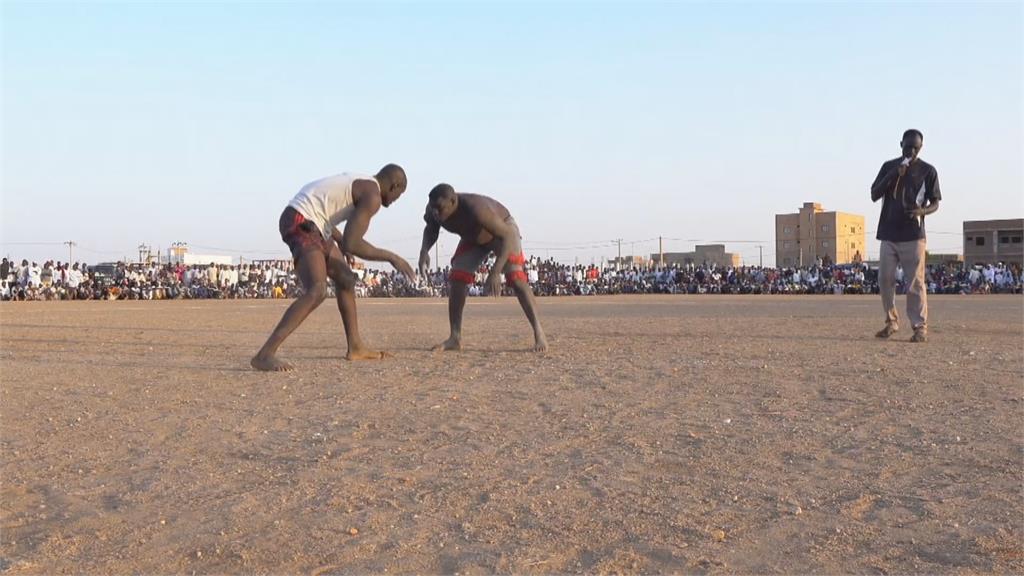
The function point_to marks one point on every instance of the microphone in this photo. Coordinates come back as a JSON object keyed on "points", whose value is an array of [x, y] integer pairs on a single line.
{"points": [[904, 165]]}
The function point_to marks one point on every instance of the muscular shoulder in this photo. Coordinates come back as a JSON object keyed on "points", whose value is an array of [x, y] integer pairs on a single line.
{"points": [[480, 204], [365, 190]]}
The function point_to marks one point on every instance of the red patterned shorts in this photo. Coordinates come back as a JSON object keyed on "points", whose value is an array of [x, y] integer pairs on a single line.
{"points": [[300, 234], [469, 257]]}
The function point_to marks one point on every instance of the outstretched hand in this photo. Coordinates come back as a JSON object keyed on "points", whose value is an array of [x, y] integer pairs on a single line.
{"points": [[424, 265], [403, 266], [494, 283]]}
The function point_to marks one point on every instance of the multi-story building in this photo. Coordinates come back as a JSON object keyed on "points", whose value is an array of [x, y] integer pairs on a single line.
{"points": [[992, 241], [811, 234]]}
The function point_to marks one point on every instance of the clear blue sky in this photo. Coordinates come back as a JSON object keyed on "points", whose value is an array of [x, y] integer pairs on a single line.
{"points": [[127, 123]]}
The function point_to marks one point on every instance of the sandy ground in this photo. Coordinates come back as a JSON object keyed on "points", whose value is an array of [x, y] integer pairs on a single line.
{"points": [[660, 434]]}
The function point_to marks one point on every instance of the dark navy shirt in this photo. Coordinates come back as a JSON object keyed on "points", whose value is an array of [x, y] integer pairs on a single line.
{"points": [[918, 187]]}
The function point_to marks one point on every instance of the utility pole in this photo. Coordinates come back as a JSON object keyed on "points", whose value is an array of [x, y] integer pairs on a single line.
{"points": [[618, 263], [70, 244], [437, 259], [760, 256], [661, 253]]}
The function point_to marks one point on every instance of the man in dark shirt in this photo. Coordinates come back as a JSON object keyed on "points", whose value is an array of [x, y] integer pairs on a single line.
{"points": [[909, 190]]}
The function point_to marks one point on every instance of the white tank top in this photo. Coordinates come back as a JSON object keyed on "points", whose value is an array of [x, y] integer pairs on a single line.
{"points": [[327, 202]]}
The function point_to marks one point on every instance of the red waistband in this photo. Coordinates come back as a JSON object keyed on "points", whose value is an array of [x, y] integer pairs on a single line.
{"points": [[462, 276]]}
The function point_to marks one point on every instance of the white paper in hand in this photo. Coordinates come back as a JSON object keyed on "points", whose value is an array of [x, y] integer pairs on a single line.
{"points": [[919, 200]]}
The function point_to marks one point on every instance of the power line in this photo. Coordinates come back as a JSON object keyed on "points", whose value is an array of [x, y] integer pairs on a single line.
{"points": [[80, 247], [236, 250]]}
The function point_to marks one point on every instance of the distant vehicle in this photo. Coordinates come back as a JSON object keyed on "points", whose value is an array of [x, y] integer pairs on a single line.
{"points": [[104, 273]]}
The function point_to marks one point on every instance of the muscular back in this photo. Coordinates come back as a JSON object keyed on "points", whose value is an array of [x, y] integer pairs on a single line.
{"points": [[470, 215]]}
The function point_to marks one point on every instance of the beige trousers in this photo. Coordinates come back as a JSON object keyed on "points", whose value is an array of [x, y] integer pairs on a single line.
{"points": [[910, 255]]}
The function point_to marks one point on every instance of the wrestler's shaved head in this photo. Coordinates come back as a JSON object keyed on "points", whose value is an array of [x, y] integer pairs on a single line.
{"points": [[442, 191], [392, 182], [442, 203]]}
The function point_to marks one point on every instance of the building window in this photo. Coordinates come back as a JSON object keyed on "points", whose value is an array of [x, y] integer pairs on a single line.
{"points": [[1015, 239], [853, 229], [979, 241], [853, 245], [1004, 239], [824, 227], [824, 243], [787, 230], [970, 238]]}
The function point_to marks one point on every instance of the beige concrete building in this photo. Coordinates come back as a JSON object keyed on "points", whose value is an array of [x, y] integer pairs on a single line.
{"points": [[935, 258], [804, 237], [711, 253], [629, 262], [992, 241]]}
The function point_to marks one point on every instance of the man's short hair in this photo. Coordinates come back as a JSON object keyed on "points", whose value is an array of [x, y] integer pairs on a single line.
{"points": [[395, 173], [913, 132], [442, 190]]}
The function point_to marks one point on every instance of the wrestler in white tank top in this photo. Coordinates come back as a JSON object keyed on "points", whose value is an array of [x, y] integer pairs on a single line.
{"points": [[327, 202]]}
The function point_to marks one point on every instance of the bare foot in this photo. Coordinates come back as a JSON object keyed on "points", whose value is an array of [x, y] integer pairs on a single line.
{"points": [[270, 364], [449, 345], [364, 354], [540, 344]]}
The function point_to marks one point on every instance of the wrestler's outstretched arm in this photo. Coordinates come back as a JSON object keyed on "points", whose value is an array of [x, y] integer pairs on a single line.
{"points": [[430, 233]]}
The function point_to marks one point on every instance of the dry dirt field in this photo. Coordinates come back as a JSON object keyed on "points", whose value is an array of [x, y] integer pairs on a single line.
{"points": [[660, 434]]}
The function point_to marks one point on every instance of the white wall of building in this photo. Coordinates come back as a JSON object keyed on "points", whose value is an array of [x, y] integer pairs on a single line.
{"points": [[190, 259]]}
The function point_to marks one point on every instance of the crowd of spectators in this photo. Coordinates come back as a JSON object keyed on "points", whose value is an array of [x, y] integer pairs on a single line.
{"points": [[554, 279], [121, 281], [276, 279]]}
